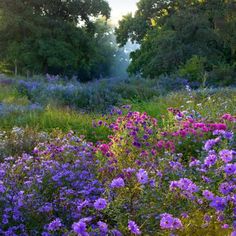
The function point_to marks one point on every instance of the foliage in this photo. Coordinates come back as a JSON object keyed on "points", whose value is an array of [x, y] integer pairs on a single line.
{"points": [[172, 33], [193, 69], [58, 37]]}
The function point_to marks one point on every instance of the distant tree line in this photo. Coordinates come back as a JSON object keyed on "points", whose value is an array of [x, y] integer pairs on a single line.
{"points": [[192, 38], [56, 37]]}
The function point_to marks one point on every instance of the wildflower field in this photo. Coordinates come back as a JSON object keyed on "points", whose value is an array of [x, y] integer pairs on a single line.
{"points": [[159, 166], [117, 117]]}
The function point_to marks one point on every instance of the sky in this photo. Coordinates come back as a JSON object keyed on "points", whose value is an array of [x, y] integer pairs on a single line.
{"points": [[120, 8]]}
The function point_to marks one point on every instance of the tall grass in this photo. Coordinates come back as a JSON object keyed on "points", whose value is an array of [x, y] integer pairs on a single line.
{"points": [[55, 118], [210, 103]]}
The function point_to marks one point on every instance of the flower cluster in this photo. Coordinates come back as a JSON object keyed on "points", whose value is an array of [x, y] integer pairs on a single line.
{"points": [[136, 183]]}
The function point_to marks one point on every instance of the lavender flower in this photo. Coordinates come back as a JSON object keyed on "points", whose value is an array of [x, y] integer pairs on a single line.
{"points": [[230, 169], [100, 204], [55, 225], [218, 203], [116, 232], [208, 195], [169, 222], [103, 227], [226, 155], [117, 183], [225, 188], [132, 226], [209, 144], [80, 228], [210, 160], [142, 176]]}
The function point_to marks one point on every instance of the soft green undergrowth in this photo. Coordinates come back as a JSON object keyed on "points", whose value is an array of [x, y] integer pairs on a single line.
{"points": [[211, 103], [56, 118]]}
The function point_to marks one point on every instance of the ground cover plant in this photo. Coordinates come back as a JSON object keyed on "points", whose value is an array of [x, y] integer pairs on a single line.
{"points": [[173, 176]]}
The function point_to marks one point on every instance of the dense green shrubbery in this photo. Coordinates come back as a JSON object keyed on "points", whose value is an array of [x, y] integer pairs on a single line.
{"points": [[194, 38]]}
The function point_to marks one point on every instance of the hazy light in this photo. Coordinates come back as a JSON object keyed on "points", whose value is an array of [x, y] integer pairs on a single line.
{"points": [[120, 8]]}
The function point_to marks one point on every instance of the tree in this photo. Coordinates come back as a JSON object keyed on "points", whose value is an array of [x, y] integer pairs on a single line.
{"points": [[54, 36], [172, 32]]}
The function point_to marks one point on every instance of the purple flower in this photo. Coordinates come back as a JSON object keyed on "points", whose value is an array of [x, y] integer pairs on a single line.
{"points": [[207, 218], [209, 144], [142, 176], [194, 162], [226, 155], [2, 188], [80, 228], [208, 195], [177, 224], [46, 208], [116, 232], [100, 204], [176, 165], [102, 226], [230, 169], [218, 203], [169, 222], [225, 226], [185, 185], [210, 160], [117, 183], [184, 215], [137, 144], [132, 226], [206, 179], [228, 135], [55, 225], [152, 183], [225, 188], [220, 218]]}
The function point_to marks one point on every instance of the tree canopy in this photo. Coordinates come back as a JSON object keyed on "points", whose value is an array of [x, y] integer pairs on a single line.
{"points": [[173, 32], [56, 36]]}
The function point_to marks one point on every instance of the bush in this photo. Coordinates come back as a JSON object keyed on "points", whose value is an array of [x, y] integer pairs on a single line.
{"points": [[223, 75], [194, 69]]}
